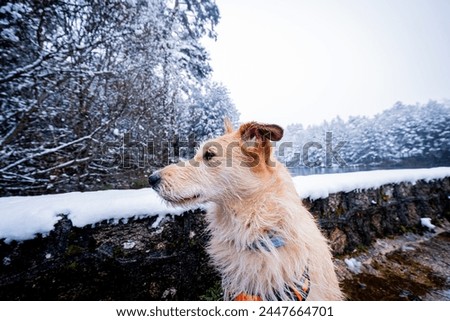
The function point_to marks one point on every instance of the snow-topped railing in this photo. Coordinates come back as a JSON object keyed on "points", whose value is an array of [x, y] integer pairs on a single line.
{"points": [[22, 217]]}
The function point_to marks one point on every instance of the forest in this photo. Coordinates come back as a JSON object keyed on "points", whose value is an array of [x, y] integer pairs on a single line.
{"points": [[96, 94], [403, 136], [81, 79]]}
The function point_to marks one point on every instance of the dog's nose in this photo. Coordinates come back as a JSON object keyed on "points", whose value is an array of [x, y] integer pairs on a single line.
{"points": [[154, 179]]}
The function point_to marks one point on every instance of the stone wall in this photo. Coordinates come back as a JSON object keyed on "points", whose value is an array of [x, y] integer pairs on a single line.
{"points": [[355, 219], [134, 261]]}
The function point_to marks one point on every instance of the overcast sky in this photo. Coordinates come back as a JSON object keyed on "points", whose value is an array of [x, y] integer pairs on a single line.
{"points": [[304, 61]]}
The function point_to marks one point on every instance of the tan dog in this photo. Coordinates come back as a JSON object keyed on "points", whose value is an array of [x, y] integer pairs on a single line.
{"points": [[264, 243]]}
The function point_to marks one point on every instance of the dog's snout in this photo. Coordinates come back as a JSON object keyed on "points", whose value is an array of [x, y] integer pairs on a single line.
{"points": [[154, 179]]}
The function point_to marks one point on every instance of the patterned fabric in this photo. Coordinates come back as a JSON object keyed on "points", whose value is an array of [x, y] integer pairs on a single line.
{"points": [[247, 297], [302, 287], [298, 292]]}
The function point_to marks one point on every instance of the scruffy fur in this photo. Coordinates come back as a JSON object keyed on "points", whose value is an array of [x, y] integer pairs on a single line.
{"points": [[252, 196]]}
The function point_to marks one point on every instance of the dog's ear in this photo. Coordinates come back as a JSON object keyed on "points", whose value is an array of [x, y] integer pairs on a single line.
{"points": [[228, 125], [255, 144], [261, 132]]}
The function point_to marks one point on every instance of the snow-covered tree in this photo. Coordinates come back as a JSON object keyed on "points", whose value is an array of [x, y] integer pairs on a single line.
{"points": [[404, 135], [76, 75], [207, 108]]}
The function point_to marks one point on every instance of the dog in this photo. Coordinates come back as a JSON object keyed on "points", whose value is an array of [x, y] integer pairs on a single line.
{"points": [[264, 242]]}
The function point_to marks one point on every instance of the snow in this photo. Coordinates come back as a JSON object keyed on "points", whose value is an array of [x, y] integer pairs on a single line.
{"points": [[320, 186], [23, 217], [9, 34], [6, 261], [353, 265], [128, 245], [426, 222]]}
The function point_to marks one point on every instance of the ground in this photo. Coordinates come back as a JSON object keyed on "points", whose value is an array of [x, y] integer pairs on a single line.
{"points": [[407, 267]]}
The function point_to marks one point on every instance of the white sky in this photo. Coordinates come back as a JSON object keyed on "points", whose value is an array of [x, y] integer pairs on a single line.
{"points": [[304, 61]]}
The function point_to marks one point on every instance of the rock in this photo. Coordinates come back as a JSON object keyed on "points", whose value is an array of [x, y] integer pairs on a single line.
{"points": [[338, 240], [130, 261]]}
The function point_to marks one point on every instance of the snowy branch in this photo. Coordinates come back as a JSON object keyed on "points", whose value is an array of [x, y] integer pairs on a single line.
{"points": [[8, 134], [87, 65], [18, 127], [20, 71], [26, 178], [69, 163], [47, 151]]}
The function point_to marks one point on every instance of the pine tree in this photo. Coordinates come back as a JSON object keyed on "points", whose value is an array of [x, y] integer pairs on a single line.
{"points": [[404, 135]]}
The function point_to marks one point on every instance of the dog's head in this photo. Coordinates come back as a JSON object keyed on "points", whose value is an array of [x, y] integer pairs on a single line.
{"points": [[226, 167]]}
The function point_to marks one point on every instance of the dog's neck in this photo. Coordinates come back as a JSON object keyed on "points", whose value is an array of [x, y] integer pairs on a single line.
{"points": [[255, 229], [256, 193], [238, 208]]}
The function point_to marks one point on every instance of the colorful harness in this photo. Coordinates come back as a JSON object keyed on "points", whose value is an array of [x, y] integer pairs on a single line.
{"points": [[298, 291]]}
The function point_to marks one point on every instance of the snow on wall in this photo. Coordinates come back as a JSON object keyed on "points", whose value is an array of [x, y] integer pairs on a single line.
{"points": [[24, 216], [320, 186], [21, 217]]}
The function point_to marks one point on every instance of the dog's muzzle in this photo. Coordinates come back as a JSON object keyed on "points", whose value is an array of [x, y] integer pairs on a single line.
{"points": [[154, 180]]}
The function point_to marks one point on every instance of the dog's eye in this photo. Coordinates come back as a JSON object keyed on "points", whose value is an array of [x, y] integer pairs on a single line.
{"points": [[208, 155]]}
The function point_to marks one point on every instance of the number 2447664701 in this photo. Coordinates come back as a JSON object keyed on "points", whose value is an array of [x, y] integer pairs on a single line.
{"points": [[302, 311]]}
